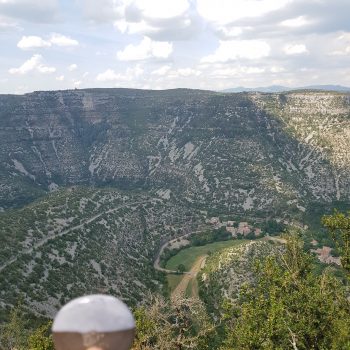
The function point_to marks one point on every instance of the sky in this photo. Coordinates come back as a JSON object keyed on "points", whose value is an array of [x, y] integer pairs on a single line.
{"points": [[162, 44]]}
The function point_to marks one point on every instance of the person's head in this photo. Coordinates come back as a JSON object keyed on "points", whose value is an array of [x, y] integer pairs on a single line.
{"points": [[95, 322]]}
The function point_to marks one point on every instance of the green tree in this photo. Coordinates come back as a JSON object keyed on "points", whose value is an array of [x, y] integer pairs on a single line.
{"points": [[181, 324], [338, 225], [41, 338], [13, 334], [290, 307], [181, 268]]}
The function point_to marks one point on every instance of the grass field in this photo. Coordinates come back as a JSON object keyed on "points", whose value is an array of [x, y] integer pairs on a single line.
{"points": [[173, 281], [189, 255]]}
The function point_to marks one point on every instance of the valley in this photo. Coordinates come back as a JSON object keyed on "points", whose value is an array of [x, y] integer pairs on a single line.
{"points": [[97, 184]]}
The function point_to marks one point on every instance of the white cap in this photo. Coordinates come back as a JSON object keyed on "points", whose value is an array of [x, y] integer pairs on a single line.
{"points": [[94, 313]]}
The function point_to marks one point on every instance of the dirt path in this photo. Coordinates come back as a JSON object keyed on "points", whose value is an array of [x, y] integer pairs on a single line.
{"points": [[180, 290]]}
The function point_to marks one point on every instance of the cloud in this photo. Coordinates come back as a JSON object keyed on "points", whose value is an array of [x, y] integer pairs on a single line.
{"points": [[295, 22], [277, 69], [228, 11], [7, 24], [35, 42], [108, 75], [157, 19], [235, 49], [72, 67], [30, 10], [62, 40], [33, 64], [130, 74], [161, 71], [157, 9], [60, 78], [187, 72], [295, 49], [228, 72], [32, 42], [146, 49]]}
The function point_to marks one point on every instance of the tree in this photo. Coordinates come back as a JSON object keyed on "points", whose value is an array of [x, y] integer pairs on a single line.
{"points": [[41, 338], [338, 225], [181, 268], [290, 307], [13, 334], [181, 324]]}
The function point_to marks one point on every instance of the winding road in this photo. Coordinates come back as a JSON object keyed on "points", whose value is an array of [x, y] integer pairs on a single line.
{"points": [[156, 263]]}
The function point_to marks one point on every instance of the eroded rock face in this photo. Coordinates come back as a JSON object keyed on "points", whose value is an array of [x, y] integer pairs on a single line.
{"points": [[240, 152]]}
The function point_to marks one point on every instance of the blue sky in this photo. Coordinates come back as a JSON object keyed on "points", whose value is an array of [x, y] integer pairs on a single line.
{"points": [[159, 44]]}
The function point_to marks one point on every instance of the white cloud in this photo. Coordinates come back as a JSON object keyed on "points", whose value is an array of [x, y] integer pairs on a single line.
{"points": [[147, 48], [227, 11], [161, 9], [30, 10], [295, 22], [7, 24], [277, 69], [62, 40], [33, 64], [32, 42], [134, 27], [236, 71], [35, 42], [341, 45], [108, 75], [295, 49], [130, 74], [60, 78], [162, 70], [72, 67], [158, 19], [186, 72], [229, 32], [344, 52], [134, 10], [234, 49]]}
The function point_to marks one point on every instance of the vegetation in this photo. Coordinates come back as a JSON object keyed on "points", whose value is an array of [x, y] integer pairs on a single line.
{"points": [[16, 334], [286, 305], [210, 236], [338, 225], [289, 307], [188, 256], [183, 324]]}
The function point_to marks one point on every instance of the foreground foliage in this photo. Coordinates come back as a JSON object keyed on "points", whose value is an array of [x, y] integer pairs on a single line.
{"points": [[183, 324], [290, 307], [338, 225], [287, 305], [14, 335]]}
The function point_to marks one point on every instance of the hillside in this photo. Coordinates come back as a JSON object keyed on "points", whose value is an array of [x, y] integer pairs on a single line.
{"points": [[94, 181], [265, 153], [80, 241]]}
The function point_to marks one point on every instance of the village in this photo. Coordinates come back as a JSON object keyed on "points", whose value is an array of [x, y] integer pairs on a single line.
{"points": [[236, 228]]}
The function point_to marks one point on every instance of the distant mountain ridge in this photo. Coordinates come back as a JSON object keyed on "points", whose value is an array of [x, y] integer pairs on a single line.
{"points": [[280, 88]]}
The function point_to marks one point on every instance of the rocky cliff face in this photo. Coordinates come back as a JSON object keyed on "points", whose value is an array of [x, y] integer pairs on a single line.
{"points": [[237, 152]]}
